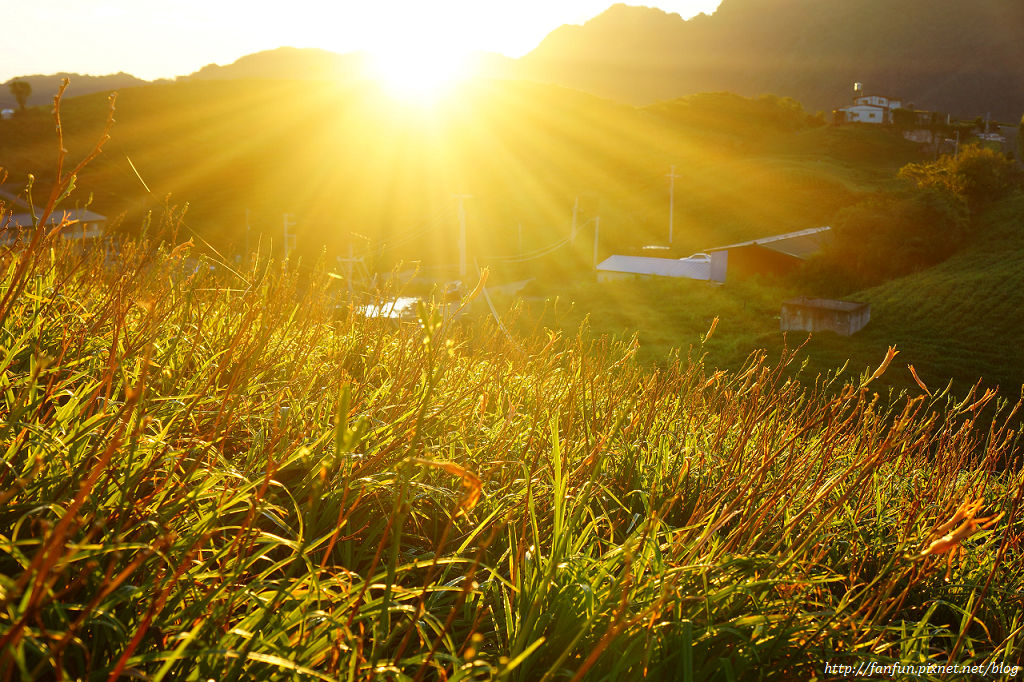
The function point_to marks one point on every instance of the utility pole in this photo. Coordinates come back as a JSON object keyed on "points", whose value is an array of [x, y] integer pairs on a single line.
{"points": [[575, 211], [671, 201], [462, 233], [289, 237], [248, 230], [349, 273], [597, 235], [349, 262]]}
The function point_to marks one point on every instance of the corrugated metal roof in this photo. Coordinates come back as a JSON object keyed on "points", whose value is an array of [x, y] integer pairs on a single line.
{"points": [[662, 267], [799, 244]]}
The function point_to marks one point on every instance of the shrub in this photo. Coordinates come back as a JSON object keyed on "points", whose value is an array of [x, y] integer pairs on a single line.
{"points": [[977, 175], [888, 236]]}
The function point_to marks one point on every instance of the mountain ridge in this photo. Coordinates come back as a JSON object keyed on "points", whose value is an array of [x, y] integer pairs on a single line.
{"points": [[44, 86], [944, 55], [940, 54]]}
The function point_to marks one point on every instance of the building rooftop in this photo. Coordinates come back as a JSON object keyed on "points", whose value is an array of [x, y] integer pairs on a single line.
{"points": [[664, 267], [799, 244], [21, 213], [825, 304]]}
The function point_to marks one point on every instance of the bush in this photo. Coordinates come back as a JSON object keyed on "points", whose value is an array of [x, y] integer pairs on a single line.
{"points": [[898, 233], [978, 175], [889, 236]]}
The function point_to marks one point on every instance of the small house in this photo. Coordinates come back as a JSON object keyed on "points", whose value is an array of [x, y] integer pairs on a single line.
{"points": [[821, 314], [81, 224], [864, 113], [874, 109]]}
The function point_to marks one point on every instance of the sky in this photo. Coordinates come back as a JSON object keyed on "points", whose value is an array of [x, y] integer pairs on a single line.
{"points": [[152, 39]]}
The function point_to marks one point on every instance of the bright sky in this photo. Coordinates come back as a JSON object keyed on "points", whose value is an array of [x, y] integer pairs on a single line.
{"points": [[152, 39]]}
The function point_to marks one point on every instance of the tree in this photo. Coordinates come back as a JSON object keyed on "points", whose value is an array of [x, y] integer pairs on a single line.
{"points": [[978, 176], [888, 236], [21, 90]]}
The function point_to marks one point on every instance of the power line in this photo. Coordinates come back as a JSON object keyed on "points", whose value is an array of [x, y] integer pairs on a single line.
{"points": [[541, 251]]}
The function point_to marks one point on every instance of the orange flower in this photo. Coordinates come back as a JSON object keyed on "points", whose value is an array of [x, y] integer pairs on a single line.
{"points": [[179, 250], [918, 380], [889, 355], [965, 516]]}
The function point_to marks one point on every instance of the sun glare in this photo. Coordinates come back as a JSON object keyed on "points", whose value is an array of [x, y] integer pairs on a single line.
{"points": [[418, 73]]}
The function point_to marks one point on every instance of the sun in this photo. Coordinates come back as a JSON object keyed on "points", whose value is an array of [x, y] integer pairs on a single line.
{"points": [[418, 72]]}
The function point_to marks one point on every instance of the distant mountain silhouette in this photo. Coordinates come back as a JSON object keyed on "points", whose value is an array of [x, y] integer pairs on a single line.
{"points": [[291, 63], [966, 58], [45, 87], [287, 63], [957, 56]]}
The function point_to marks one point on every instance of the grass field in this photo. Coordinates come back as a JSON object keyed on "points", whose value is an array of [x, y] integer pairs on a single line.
{"points": [[230, 477], [217, 474]]}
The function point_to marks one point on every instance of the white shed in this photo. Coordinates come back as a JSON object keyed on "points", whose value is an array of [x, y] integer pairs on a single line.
{"points": [[622, 267]]}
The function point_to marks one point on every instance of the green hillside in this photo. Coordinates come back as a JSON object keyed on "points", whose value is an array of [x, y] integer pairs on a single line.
{"points": [[232, 479], [242, 475], [351, 159], [958, 320], [962, 318]]}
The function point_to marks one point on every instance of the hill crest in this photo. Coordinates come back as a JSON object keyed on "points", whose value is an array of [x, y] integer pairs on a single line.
{"points": [[938, 54], [962, 58]]}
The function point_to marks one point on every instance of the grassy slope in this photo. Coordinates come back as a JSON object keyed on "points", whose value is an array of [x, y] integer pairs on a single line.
{"points": [[535, 147], [957, 320], [223, 478], [962, 318], [350, 159], [220, 478]]}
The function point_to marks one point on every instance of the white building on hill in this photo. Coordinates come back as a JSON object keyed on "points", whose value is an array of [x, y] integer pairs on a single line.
{"points": [[875, 109]]}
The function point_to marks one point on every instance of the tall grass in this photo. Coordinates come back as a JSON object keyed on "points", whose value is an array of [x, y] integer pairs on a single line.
{"points": [[232, 476]]}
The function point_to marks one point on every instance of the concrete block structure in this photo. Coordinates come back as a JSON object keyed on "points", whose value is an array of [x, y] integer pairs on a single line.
{"points": [[821, 314]]}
